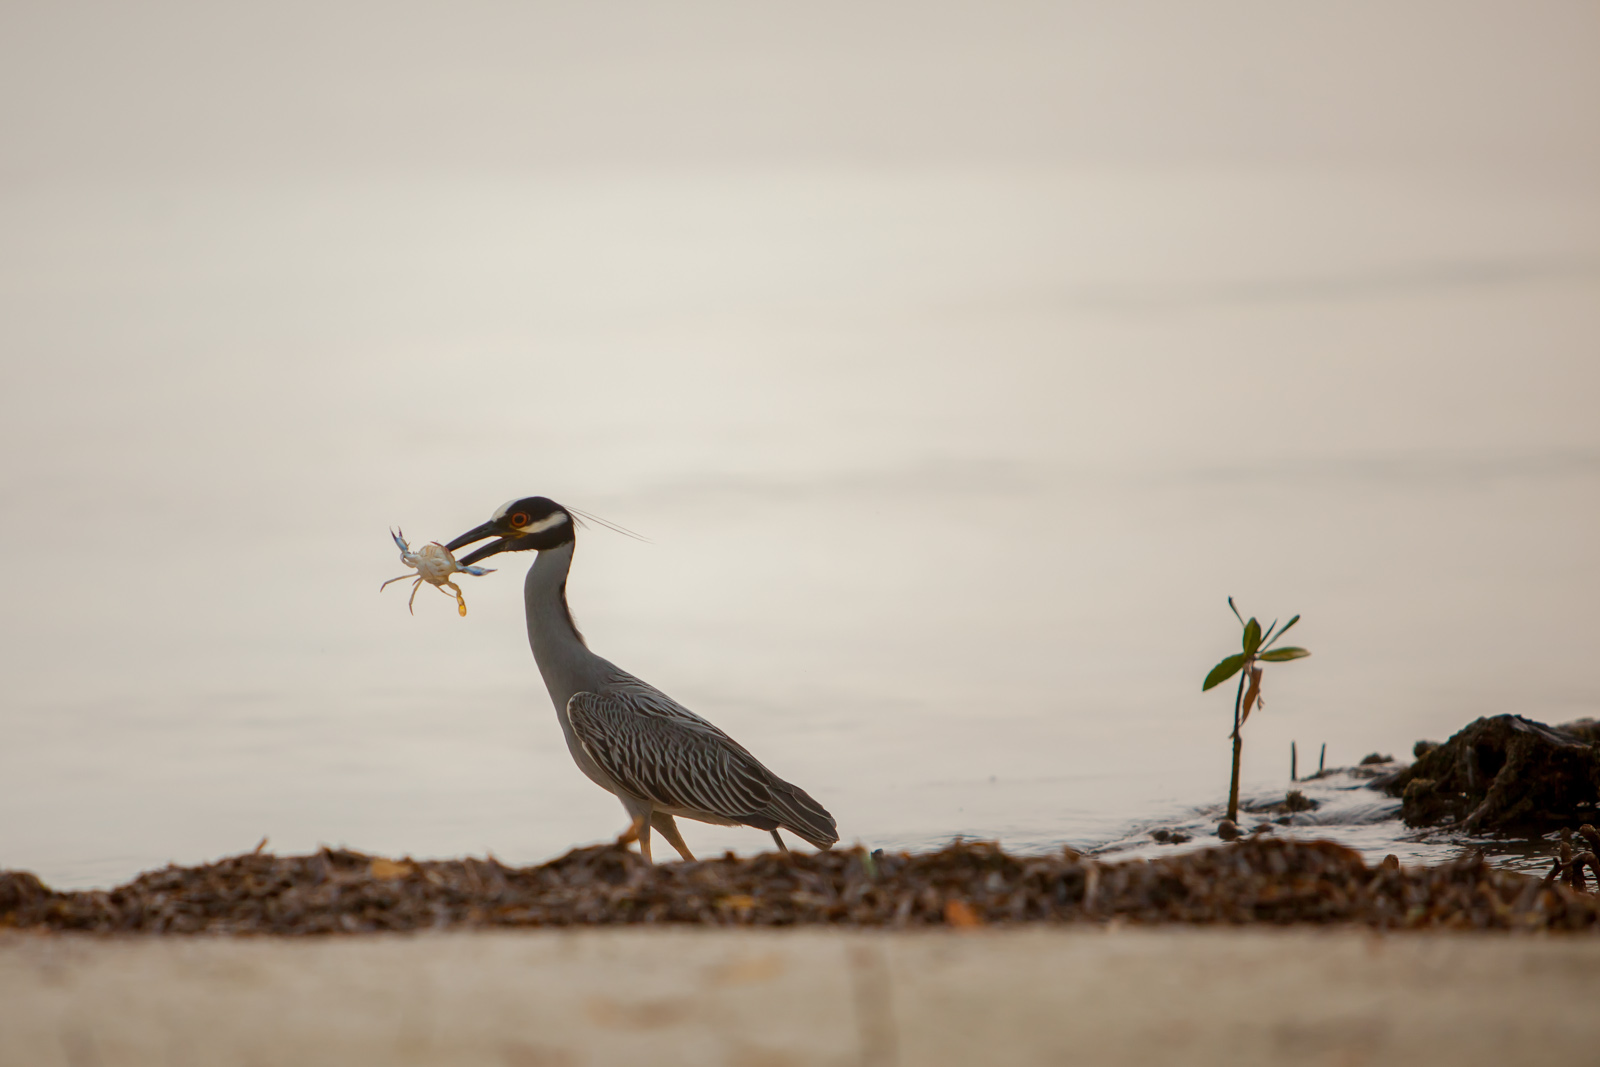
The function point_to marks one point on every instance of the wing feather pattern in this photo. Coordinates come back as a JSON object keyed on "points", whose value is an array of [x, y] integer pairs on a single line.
{"points": [[657, 749]]}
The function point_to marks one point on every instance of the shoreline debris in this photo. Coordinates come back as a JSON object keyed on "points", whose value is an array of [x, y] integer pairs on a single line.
{"points": [[1569, 865], [1257, 880], [1503, 772]]}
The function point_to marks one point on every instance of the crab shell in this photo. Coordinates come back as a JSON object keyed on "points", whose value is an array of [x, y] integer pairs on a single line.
{"points": [[434, 563]]}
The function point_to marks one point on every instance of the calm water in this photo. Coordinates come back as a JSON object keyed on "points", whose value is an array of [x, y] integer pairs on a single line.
{"points": [[946, 476]]}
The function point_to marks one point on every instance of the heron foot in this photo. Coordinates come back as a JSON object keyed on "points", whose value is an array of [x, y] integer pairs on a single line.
{"points": [[633, 832]]}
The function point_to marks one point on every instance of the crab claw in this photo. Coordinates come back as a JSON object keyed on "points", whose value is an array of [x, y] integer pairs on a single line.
{"points": [[479, 571], [399, 539]]}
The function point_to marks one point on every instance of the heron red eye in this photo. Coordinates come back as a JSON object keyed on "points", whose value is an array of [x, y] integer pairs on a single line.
{"points": [[519, 519]]}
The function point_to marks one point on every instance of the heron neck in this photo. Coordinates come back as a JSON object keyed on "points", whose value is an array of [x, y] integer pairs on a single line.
{"points": [[557, 645]]}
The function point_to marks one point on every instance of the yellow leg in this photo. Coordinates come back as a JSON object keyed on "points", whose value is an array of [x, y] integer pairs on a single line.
{"points": [[667, 826], [631, 834]]}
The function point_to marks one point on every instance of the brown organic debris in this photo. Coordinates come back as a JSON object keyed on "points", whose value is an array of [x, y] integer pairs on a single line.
{"points": [[1500, 773], [958, 912], [1259, 880]]}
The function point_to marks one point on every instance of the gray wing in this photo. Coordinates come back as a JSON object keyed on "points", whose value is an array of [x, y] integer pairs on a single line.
{"points": [[674, 758]]}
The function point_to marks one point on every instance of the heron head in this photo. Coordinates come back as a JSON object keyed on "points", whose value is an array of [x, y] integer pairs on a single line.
{"points": [[533, 522]]}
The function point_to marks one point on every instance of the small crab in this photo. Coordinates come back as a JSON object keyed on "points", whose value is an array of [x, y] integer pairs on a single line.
{"points": [[435, 564]]}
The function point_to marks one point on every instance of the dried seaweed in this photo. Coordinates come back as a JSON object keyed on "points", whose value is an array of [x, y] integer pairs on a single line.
{"points": [[966, 884]]}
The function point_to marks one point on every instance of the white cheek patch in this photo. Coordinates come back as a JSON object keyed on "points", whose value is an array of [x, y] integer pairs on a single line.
{"points": [[549, 521]]}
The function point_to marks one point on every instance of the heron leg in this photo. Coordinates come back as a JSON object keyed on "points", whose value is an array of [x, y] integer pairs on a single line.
{"points": [[636, 829], [781, 846], [639, 828], [669, 830]]}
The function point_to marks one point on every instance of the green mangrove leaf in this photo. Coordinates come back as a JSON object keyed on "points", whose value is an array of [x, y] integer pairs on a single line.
{"points": [[1223, 671], [1252, 636], [1235, 611], [1281, 655], [1285, 629]]}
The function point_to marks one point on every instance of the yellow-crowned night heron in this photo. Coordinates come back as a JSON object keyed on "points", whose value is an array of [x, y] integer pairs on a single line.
{"points": [[657, 756]]}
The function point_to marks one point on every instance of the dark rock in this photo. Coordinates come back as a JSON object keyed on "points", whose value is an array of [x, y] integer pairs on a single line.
{"points": [[1368, 761], [1227, 830], [1422, 748], [1298, 801], [1501, 773]]}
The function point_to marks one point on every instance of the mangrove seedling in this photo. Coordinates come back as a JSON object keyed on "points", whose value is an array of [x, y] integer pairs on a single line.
{"points": [[1255, 649]]}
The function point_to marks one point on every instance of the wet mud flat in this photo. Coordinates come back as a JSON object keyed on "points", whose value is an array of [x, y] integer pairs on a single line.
{"points": [[966, 885]]}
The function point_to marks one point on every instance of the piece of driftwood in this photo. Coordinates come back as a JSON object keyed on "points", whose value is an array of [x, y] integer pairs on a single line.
{"points": [[1569, 865], [1258, 880], [1501, 773]]}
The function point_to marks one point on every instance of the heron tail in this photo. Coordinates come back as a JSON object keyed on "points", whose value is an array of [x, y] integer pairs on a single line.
{"points": [[803, 816]]}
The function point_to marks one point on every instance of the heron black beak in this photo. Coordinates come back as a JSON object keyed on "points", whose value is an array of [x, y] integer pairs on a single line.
{"points": [[485, 552], [488, 529]]}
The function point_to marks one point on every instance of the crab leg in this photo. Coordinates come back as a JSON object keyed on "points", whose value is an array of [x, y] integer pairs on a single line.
{"points": [[461, 601]]}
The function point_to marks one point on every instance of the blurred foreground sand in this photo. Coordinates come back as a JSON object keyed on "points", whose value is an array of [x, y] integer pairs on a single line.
{"points": [[548, 998]]}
